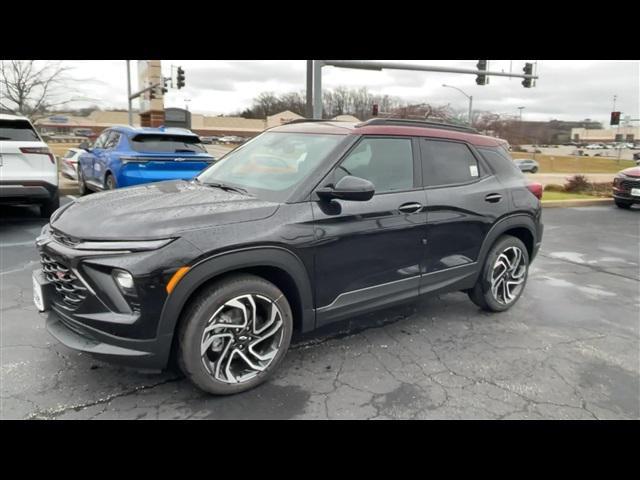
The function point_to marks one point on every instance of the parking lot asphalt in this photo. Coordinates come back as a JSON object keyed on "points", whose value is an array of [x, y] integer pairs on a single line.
{"points": [[569, 349]]}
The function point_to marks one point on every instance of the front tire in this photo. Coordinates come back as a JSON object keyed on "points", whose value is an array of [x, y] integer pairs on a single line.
{"points": [[503, 276], [623, 204], [234, 334], [82, 185], [534, 170]]}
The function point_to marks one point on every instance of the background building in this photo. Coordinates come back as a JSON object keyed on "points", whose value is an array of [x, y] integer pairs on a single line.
{"points": [[624, 134], [90, 126]]}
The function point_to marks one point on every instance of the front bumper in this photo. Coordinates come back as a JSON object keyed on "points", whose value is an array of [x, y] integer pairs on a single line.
{"points": [[625, 196], [142, 354], [87, 311]]}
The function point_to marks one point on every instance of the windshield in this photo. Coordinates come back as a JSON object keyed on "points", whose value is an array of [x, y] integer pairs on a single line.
{"points": [[167, 143], [272, 164]]}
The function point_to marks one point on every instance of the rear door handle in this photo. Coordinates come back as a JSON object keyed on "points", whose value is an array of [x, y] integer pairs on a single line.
{"points": [[410, 207], [493, 198]]}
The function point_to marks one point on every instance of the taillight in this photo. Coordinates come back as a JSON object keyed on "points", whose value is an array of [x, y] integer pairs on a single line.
{"points": [[536, 189], [39, 151]]}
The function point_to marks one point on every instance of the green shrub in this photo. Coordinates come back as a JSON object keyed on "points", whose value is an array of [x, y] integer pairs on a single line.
{"points": [[553, 187]]}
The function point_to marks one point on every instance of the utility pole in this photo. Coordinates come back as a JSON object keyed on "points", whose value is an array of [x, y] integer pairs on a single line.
{"points": [[129, 93]]}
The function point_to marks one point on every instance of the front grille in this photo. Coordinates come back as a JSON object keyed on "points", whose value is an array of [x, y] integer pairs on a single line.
{"points": [[629, 184], [64, 239], [67, 285]]}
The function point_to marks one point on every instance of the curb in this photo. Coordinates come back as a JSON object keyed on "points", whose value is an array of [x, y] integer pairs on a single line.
{"points": [[585, 202]]}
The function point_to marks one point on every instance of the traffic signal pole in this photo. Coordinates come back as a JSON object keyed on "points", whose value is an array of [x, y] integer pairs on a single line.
{"points": [[129, 93], [372, 65]]}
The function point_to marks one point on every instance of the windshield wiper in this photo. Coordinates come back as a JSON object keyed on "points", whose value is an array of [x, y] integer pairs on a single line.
{"points": [[226, 187]]}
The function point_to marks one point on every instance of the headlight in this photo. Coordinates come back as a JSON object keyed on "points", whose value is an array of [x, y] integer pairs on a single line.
{"points": [[133, 245]]}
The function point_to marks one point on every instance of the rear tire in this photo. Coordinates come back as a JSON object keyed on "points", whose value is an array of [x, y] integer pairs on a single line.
{"points": [[534, 170], [255, 330], [503, 276], [47, 209], [623, 204], [110, 182]]}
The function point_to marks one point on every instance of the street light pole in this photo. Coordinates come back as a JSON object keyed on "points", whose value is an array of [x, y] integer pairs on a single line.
{"points": [[470, 97]]}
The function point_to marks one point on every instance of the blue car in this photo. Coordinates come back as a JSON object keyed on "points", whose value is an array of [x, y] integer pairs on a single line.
{"points": [[123, 156]]}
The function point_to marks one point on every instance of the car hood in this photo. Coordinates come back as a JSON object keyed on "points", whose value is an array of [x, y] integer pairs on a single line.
{"points": [[631, 172], [157, 210]]}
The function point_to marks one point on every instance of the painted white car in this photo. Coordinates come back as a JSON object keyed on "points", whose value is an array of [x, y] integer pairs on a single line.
{"points": [[28, 168], [594, 146], [69, 163]]}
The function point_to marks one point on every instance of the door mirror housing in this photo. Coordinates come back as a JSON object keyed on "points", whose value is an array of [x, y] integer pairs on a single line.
{"points": [[85, 146], [349, 188]]}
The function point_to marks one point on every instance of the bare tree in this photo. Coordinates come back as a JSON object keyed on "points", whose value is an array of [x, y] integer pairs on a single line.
{"points": [[266, 104], [32, 88]]}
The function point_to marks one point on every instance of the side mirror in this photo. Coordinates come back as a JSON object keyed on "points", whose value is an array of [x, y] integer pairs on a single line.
{"points": [[85, 146], [349, 188]]}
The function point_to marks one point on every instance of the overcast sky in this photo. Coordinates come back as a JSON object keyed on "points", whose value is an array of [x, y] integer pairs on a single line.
{"points": [[566, 90]]}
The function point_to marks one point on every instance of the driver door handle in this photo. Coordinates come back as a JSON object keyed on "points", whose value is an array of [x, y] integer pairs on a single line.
{"points": [[412, 207], [493, 197]]}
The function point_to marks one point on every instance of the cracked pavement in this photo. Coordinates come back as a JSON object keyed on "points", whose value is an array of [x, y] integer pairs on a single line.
{"points": [[569, 349]]}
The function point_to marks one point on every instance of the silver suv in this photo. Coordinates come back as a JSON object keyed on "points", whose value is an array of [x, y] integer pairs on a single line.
{"points": [[28, 168]]}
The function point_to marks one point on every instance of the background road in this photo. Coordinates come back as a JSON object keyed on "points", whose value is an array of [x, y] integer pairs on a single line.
{"points": [[569, 349]]}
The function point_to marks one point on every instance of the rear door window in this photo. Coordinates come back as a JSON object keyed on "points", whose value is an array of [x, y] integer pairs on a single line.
{"points": [[102, 139], [17, 131], [167, 143], [447, 163], [112, 140]]}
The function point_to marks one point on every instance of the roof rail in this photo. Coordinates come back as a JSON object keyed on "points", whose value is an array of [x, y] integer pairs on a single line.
{"points": [[417, 123]]}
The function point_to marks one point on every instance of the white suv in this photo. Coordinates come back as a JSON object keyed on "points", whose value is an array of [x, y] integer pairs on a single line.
{"points": [[28, 169]]}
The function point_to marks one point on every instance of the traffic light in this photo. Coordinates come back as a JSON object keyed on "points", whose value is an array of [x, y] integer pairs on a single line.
{"points": [[164, 88], [615, 118], [152, 94], [374, 110], [481, 79], [528, 70], [180, 78]]}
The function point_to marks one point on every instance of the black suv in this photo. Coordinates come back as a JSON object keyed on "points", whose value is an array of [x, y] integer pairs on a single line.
{"points": [[306, 224]]}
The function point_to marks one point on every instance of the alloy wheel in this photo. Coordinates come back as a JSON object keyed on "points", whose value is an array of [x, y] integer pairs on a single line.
{"points": [[508, 275], [242, 338]]}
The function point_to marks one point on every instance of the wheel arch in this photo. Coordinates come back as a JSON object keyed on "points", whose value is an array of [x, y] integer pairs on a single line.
{"points": [[520, 226], [275, 264]]}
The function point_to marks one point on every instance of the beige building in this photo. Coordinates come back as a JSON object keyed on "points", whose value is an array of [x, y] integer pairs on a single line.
{"points": [[624, 134], [204, 125]]}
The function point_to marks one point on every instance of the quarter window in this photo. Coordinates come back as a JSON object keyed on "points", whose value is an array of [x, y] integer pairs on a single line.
{"points": [[385, 162], [447, 163]]}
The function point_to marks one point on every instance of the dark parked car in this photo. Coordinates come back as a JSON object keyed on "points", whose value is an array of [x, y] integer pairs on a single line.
{"points": [[308, 224], [626, 187]]}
